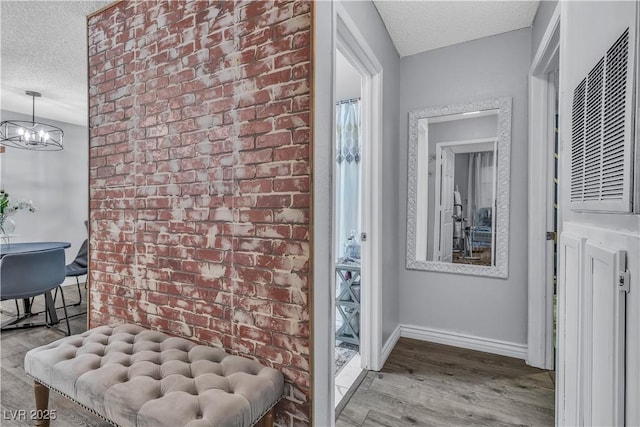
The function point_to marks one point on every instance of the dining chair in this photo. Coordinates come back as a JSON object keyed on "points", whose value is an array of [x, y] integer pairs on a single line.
{"points": [[78, 267], [29, 274]]}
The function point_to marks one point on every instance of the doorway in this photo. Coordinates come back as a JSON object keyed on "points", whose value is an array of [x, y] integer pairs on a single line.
{"points": [[347, 38], [347, 214], [544, 212], [465, 202], [356, 224], [553, 207]]}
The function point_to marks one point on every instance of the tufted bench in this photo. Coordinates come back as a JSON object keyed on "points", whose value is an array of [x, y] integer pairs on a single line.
{"points": [[131, 376]]}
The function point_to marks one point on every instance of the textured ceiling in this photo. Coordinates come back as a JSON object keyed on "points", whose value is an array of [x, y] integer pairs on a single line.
{"points": [[43, 43], [418, 26], [44, 49]]}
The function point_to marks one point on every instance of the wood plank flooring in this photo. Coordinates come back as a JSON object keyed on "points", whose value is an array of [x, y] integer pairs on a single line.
{"points": [[422, 384], [16, 389], [427, 384]]}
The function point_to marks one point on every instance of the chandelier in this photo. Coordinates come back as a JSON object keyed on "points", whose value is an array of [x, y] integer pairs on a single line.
{"points": [[31, 135]]}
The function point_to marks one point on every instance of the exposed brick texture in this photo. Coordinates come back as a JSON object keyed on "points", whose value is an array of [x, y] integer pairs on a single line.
{"points": [[200, 177]]}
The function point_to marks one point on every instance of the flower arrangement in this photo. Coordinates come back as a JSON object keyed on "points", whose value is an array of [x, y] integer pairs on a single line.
{"points": [[8, 208]]}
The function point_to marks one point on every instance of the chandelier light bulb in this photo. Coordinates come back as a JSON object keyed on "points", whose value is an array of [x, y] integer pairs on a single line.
{"points": [[21, 132]]}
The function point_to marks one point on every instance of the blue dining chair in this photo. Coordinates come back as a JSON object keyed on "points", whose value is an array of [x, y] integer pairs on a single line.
{"points": [[78, 267], [29, 274]]}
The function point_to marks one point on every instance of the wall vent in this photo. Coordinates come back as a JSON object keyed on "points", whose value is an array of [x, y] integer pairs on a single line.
{"points": [[601, 145], [577, 142]]}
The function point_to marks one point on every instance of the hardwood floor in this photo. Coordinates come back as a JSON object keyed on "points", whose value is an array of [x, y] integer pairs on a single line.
{"points": [[426, 384], [16, 389], [422, 384]]}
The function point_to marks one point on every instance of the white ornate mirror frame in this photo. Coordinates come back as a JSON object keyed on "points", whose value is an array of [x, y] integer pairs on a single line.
{"points": [[501, 266]]}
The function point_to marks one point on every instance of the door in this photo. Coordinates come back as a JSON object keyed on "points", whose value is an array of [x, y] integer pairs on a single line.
{"points": [[446, 205], [543, 138], [603, 342], [598, 336], [570, 274], [592, 334]]}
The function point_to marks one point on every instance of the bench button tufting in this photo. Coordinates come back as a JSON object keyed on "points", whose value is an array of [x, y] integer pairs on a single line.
{"points": [[194, 370]]}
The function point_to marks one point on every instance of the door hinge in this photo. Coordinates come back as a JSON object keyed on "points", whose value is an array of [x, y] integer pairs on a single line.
{"points": [[623, 280], [552, 235]]}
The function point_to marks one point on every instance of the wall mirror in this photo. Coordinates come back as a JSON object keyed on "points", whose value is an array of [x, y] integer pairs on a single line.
{"points": [[458, 193]]}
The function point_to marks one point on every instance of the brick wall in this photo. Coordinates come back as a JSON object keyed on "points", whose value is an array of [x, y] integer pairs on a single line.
{"points": [[200, 177]]}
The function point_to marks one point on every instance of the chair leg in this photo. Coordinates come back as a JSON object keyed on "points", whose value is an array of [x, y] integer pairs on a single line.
{"points": [[41, 393], [55, 294], [79, 292], [64, 307], [46, 311]]}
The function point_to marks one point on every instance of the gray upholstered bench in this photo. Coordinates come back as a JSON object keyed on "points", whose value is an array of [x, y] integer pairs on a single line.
{"points": [[131, 376]]}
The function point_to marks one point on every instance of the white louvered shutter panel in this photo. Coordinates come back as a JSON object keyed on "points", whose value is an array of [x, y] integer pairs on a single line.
{"points": [[617, 91], [577, 142], [593, 134], [601, 134]]}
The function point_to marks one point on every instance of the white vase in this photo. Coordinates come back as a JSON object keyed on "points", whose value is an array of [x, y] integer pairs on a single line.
{"points": [[7, 226]]}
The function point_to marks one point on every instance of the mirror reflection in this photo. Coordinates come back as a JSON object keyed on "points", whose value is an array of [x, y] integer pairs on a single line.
{"points": [[461, 186], [458, 188]]}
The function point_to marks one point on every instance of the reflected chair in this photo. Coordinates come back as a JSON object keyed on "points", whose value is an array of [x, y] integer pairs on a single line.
{"points": [[29, 274]]}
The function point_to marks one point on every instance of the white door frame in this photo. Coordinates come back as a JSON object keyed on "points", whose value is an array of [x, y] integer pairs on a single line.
{"points": [[322, 348], [353, 45], [329, 18], [540, 351]]}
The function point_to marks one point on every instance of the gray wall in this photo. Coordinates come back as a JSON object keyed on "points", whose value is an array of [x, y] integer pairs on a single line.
{"points": [[463, 129], [540, 22], [480, 69], [366, 17], [348, 82], [56, 182]]}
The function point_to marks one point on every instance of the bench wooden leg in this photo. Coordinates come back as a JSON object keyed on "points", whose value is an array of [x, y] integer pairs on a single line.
{"points": [[42, 404], [266, 420]]}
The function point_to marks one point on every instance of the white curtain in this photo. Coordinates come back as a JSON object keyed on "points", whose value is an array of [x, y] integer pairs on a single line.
{"points": [[480, 184], [347, 172]]}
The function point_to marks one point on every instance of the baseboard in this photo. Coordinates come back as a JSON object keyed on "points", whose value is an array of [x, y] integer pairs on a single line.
{"points": [[389, 345], [488, 345]]}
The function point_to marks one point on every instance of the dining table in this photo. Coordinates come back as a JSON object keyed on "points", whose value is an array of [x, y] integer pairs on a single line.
{"points": [[26, 247]]}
